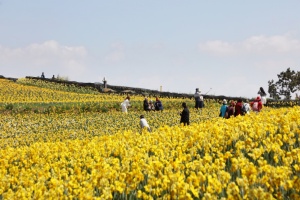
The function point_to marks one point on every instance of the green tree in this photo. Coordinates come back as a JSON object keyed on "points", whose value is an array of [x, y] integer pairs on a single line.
{"points": [[297, 80], [288, 83], [273, 90]]}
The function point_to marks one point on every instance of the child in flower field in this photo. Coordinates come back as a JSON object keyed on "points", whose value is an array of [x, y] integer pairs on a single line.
{"points": [[144, 123], [151, 106]]}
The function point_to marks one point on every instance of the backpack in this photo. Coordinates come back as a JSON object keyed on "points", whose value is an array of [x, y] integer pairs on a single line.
{"points": [[255, 106], [244, 109], [159, 105]]}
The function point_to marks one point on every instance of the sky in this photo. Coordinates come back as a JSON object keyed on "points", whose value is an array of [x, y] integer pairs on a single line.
{"points": [[226, 48]]}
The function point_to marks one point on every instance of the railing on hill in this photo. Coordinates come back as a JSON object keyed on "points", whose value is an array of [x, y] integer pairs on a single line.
{"points": [[155, 93], [133, 90]]}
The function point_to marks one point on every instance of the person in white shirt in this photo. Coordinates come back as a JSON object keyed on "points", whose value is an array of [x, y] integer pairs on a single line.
{"points": [[263, 100], [263, 95], [198, 100], [144, 123], [125, 104], [247, 107]]}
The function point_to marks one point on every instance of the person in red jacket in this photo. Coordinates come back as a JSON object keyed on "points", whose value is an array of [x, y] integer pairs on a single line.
{"points": [[238, 108], [230, 110], [256, 105]]}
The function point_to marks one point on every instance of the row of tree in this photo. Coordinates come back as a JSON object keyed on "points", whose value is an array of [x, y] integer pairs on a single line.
{"points": [[288, 83]]}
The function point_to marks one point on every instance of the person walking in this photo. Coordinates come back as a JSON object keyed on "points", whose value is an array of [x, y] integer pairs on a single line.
{"points": [[185, 115], [125, 104], [144, 123], [223, 108]]}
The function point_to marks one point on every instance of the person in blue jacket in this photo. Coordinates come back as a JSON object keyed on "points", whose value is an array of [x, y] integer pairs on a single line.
{"points": [[223, 108], [158, 105]]}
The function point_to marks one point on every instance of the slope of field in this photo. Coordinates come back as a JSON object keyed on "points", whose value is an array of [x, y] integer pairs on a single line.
{"points": [[19, 97], [105, 155]]}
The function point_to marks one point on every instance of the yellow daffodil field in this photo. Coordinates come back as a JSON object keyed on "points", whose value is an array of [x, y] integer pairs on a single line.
{"points": [[57, 144]]}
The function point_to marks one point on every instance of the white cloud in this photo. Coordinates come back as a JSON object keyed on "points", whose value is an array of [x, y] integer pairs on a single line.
{"points": [[218, 47], [47, 50], [116, 54], [275, 65], [46, 56], [261, 44], [272, 44]]}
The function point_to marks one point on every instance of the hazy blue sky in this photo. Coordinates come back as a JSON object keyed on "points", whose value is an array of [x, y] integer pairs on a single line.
{"points": [[233, 47]]}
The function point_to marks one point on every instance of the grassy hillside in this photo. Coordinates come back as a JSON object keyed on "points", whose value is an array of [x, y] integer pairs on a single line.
{"points": [[56, 144], [33, 96]]}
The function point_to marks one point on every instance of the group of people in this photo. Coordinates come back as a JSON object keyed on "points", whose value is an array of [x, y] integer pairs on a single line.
{"points": [[149, 106], [185, 118], [226, 111], [240, 108], [43, 76]]}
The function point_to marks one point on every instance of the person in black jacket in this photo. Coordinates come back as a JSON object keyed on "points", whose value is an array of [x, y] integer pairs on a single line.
{"points": [[146, 104], [185, 115]]}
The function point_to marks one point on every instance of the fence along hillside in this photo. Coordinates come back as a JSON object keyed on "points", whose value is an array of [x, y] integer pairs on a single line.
{"points": [[132, 90], [126, 90]]}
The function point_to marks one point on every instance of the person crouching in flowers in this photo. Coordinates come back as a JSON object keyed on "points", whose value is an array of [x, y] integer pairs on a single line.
{"points": [[144, 123], [151, 106], [185, 115], [125, 104]]}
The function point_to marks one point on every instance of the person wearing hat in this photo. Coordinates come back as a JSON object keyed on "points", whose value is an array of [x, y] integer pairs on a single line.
{"points": [[223, 108], [185, 115], [256, 105], [198, 99], [144, 123]]}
